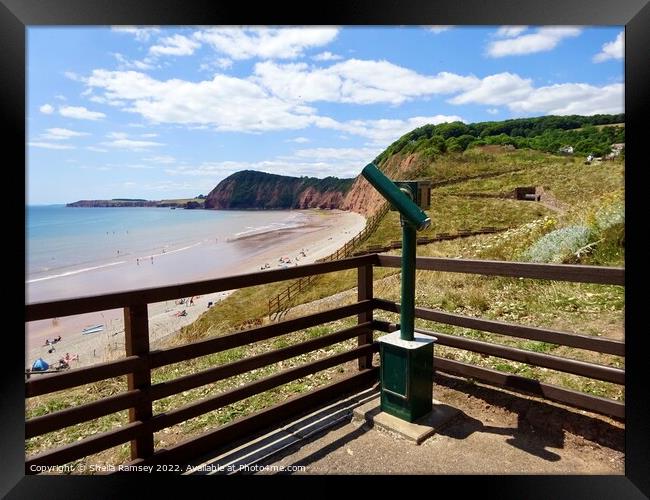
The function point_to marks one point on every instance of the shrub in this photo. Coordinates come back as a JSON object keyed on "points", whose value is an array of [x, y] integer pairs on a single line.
{"points": [[609, 216], [559, 245]]}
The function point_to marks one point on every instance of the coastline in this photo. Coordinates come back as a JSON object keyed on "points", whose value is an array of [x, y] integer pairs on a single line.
{"points": [[324, 232]]}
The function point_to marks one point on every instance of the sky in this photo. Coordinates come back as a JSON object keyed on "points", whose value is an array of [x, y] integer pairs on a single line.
{"points": [[168, 112]]}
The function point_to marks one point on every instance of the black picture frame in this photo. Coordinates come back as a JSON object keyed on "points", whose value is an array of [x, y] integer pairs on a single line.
{"points": [[17, 15]]}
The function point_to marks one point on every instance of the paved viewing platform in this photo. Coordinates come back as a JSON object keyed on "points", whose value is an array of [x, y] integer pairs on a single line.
{"points": [[491, 431]]}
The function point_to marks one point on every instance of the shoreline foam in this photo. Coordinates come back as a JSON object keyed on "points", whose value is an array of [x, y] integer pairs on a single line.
{"points": [[323, 234]]}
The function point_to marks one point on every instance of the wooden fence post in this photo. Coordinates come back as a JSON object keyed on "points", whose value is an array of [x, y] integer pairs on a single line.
{"points": [[365, 292], [136, 332]]}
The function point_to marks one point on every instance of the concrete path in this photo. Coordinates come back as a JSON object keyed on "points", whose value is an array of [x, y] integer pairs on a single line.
{"points": [[494, 432]]}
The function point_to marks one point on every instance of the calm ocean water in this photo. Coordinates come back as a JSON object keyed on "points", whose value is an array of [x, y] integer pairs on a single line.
{"points": [[65, 241]]}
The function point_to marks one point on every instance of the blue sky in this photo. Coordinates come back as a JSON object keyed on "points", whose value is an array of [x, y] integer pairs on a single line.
{"points": [[168, 112]]}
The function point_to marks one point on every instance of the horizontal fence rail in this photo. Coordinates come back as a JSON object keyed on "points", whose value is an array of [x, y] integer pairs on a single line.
{"points": [[244, 427], [517, 383], [68, 307], [80, 376], [236, 339], [164, 389], [557, 272], [579, 341]]}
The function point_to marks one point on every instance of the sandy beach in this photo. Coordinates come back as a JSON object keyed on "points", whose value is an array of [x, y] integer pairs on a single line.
{"points": [[322, 234]]}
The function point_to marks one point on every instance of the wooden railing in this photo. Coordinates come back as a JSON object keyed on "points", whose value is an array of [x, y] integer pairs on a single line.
{"points": [[572, 273], [140, 360]]}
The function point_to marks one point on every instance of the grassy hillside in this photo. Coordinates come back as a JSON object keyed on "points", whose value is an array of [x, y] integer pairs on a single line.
{"points": [[581, 221], [545, 133]]}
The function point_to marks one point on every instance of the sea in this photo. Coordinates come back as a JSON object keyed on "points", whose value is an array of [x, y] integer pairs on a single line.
{"points": [[73, 251]]}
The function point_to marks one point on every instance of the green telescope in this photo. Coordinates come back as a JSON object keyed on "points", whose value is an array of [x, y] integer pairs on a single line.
{"points": [[396, 197], [406, 358]]}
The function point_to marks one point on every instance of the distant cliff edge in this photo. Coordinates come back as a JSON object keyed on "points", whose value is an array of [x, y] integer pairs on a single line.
{"points": [[250, 189], [126, 202]]}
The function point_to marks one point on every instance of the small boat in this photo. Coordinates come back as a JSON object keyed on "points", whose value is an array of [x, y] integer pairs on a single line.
{"points": [[92, 329]]}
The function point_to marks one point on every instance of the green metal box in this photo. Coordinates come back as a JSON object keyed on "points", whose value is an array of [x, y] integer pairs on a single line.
{"points": [[406, 372]]}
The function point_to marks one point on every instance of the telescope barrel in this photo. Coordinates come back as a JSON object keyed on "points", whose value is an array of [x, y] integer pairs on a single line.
{"points": [[387, 188]]}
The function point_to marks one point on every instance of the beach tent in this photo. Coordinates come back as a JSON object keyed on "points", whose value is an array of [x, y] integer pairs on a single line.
{"points": [[40, 365]]}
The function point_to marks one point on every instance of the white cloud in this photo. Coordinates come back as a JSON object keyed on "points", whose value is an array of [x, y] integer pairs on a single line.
{"points": [[140, 34], [176, 45], [266, 43], [163, 159], [103, 100], [493, 111], [131, 145], [96, 149], [117, 135], [71, 75], [544, 39], [612, 50], [46, 109], [439, 28], [216, 64], [232, 104], [223, 63], [225, 102], [103, 168], [384, 132], [573, 98], [519, 95], [327, 56], [50, 145], [120, 140], [138, 167], [292, 166], [149, 135], [80, 113], [298, 140], [126, 63], [343, 154], [496, 90], [61, 97], [62, 134], [219, 170], [176, 187], [356, 81], [510, 31]]}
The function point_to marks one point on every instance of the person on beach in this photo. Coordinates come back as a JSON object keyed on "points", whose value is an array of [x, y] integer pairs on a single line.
{"points": [[137, 261], [152, 259], [192, 301]]}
